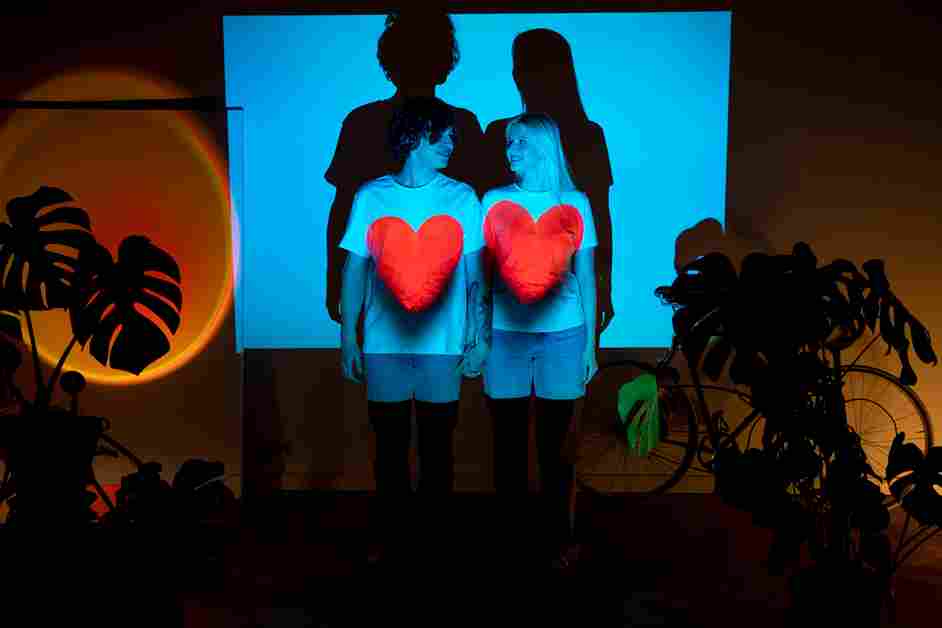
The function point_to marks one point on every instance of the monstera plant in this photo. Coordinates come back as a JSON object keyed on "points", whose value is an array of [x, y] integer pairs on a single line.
{"points": [[49, 260], [778, 329]]}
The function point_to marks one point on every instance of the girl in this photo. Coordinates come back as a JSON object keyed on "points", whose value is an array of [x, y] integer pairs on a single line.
{"points": [[540, 239]]}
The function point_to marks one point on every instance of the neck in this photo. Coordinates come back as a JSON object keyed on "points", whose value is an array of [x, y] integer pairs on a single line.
{"points": [[405, 92], [533, 183], [414, 175]]}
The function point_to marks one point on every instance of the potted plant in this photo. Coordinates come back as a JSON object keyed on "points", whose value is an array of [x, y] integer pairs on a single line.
{"points": [[49, 259], [778, 328]]}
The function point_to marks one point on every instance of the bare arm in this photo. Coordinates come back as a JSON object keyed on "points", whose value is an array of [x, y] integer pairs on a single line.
{"points": [[352, 293], [477, 337], [336, 223], [479, 310]]}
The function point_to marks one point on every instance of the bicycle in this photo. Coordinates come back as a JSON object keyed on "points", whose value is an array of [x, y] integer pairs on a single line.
{"points": [[878, 407]]}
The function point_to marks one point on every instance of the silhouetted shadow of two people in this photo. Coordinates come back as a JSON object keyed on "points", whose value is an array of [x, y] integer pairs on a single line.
{"points": [[417, 51]]}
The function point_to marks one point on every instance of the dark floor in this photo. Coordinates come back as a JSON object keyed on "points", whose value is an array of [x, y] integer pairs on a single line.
{"points": [[677, 560]]}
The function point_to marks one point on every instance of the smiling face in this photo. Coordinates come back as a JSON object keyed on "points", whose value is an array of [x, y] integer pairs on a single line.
{"points": [[522, 154], [435, 155]]}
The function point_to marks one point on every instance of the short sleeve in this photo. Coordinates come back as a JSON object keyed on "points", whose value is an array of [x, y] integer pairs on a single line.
{"points": [[589, 236], [588, 157], [361, 153], [340, 171], [354, 237]]}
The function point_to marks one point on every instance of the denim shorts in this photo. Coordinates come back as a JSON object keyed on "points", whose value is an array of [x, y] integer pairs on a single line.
{"points": [[404, 376], [547, 363]]}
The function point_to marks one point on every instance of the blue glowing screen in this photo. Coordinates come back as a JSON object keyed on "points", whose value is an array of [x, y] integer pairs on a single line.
{"points": [[656, 84]]}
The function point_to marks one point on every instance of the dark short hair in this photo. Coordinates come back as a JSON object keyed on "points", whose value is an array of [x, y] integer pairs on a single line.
{"points": [[418, 43], [415, 118]]}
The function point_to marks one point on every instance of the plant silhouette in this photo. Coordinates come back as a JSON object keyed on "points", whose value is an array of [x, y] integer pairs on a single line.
{"points": [[49, 259], [779, 328], [110, 291]]}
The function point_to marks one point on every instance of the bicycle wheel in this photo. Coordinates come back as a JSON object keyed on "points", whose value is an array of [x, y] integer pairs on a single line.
{"points": [[606, 466], [878, 407]]}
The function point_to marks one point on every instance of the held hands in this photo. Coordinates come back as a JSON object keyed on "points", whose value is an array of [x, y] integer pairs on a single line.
{"points": [[351, 358], [473, 359]]}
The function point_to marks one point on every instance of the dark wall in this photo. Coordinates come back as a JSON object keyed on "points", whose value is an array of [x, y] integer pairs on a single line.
{"points": [[834, 140]]}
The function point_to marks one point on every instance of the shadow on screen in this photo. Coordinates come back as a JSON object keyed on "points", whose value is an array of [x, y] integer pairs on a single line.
{"points": [[417, 52], [545, 75]]}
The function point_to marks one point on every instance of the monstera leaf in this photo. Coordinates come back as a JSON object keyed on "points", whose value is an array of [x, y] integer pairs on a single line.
{"points": [[779, 304], [700, 294], [894, 318], [34, 275], [113, 296], [916, 480], [644, 429]]}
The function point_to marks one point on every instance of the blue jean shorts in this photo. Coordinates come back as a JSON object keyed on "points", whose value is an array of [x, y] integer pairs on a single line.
{"points": [[394, 377], [547, 363]]}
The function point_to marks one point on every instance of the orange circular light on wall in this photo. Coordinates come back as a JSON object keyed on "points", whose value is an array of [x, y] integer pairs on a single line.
{"points": [[153, 173]]}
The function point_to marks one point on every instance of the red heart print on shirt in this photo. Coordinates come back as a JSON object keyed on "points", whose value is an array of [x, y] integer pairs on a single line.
{"points": [[532, 257], [415, 266]]}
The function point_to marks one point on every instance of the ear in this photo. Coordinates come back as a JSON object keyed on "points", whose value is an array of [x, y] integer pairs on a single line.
{"points": [[426, 136], [419, 141]]}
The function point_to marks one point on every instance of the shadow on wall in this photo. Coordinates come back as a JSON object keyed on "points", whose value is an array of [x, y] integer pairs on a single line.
{"points": [[708, 236]]}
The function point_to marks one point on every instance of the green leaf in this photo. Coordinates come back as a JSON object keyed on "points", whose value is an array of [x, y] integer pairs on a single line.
{"points": [[644, 429], [641, 388], [650, 428]]}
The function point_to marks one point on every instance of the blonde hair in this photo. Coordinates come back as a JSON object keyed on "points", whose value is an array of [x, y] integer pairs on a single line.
{"points": [[543, 132]]}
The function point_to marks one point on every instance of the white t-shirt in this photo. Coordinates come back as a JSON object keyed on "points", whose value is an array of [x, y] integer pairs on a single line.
{"points": [[388, 326], [561, 307]]}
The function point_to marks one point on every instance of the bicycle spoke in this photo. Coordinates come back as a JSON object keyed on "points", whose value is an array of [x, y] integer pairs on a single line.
{"points": [[878, 406]]}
